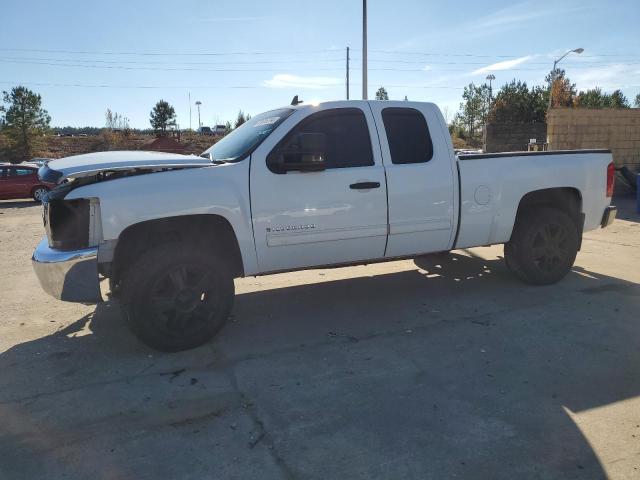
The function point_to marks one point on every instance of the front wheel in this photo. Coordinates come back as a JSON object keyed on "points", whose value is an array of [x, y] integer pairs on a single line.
{"points": [[543, 246], [177, 297]]}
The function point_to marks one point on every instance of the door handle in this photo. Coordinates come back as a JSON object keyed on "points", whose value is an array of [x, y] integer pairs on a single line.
{"points": [[364, 185]]}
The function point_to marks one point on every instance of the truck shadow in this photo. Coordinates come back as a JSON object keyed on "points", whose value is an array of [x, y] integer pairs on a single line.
{"points": [[18, 204], [627, 207], [466, 370]]}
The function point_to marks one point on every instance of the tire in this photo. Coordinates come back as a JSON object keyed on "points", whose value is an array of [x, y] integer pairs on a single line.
{"points": [[38, 193], [177, 296], [543, 246]]}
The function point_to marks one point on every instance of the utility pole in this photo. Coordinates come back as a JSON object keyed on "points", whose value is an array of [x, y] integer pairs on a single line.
{"points": [[189, 110], [364, 49], [198, 103], [347, 73]]}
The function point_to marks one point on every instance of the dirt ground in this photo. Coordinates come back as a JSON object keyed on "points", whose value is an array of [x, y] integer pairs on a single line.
{"points": [[415, 369]]}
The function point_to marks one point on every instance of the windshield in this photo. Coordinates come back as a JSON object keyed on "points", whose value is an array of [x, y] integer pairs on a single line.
{"points": [[247, 136]]}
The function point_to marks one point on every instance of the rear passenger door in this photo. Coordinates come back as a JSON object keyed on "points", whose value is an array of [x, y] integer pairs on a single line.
{"points": [[420, 177]]}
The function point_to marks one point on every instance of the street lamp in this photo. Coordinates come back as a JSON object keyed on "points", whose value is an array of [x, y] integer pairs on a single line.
{"points": [[491, 78], [553, 72], [198, 103]]}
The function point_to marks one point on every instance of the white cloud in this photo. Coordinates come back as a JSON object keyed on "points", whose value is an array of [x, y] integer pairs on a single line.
{"points": [[610, 77], [504, 65], [285, 80], [516, 16]]}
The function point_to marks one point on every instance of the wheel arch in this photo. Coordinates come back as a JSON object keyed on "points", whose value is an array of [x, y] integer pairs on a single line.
{"points": [[565, 199], [209, 231]]}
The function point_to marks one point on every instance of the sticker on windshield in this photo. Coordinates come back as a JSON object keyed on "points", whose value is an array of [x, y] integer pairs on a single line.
{"points": [[266, 121]]}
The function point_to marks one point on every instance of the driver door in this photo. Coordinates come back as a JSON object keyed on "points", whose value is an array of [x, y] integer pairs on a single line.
{"points": [[335, 215]]}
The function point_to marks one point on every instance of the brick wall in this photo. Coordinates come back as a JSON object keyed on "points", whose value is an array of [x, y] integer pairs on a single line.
{"points": [[512, 137], [615, 129]]}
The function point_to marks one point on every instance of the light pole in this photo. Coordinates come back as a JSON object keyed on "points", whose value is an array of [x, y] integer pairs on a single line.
{"points": [[198, 103], [347, 73], [491, 77], [364, 49], [553, 73]]}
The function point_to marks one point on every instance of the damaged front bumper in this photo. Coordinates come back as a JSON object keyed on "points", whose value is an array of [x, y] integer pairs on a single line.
{"points": [[71, 276]]}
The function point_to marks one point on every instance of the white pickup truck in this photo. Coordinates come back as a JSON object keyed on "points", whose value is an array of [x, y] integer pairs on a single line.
{"points": [[338, 183]]}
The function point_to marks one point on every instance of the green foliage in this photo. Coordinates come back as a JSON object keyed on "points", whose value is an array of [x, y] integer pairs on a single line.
{"points": [[473, 111], [595, 98], [23, 121], [515, 102], [636, 102], [241, 118], [618, 100], [382, 94], [162, 116]]}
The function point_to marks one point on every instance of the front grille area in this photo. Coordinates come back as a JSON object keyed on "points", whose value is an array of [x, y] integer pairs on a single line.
{"points": [[67, 224]]}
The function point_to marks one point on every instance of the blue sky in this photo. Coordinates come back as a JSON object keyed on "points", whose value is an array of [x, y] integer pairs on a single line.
{"points": [[85, 57]]}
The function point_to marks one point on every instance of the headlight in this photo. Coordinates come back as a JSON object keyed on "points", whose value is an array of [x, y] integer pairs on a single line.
{"points": [[72, 224]]}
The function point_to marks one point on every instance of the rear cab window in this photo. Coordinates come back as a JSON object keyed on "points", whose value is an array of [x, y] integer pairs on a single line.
{"points": [[408, 135]]}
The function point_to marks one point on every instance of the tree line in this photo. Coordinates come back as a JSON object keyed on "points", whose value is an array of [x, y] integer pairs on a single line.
{"points": [[24, 121], [517, 102]]}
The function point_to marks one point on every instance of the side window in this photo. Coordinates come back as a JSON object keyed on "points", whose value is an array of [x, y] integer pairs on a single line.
{"points": [[22, 171], [408, 135], [3, 172], [347, 144]]}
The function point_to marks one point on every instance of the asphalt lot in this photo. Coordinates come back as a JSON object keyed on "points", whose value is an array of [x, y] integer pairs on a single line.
{"points": [[426, 369]]}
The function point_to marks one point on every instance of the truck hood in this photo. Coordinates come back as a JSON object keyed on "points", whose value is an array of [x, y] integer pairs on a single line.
{"points": [[90, 164]]}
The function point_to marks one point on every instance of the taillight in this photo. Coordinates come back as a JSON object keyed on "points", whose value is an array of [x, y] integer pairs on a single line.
{"points": [[611, 175]]}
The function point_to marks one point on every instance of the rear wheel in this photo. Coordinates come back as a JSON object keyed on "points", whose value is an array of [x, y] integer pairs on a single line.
{"points": [[177, 296], [39, 193], [543, 246]]}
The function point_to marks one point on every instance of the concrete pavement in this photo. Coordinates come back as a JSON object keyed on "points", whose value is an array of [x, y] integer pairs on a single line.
{"points": [[438, 368]]}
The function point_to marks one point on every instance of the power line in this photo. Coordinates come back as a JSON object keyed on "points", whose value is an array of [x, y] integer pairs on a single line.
{"points": [[207, 54], [79, 85], [315, 69], [434, 54], [290, 52], [327, 85], [65, 61], [155, 87], [162, 69], [172, 62]]}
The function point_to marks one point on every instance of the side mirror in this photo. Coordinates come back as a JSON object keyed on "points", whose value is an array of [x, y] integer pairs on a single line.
{"points": [[306, 153]]}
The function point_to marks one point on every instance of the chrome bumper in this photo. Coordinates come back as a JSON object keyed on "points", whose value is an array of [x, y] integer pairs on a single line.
{"points": [[71, 276]]}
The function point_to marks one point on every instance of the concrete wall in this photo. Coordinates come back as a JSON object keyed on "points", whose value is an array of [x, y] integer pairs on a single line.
{"points": [[512, 137], [615, 129]]}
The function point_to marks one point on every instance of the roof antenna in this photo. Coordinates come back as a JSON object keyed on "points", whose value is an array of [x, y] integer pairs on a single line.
{"points": [[295, 101]]}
